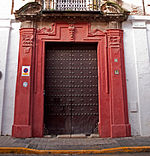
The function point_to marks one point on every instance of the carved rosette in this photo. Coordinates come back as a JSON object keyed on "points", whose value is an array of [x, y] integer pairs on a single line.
{"points": [[71, 29]]}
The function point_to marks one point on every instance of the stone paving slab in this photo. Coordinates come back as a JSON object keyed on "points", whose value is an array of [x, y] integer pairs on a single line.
{"points": [[73, 143], [124, 154]]}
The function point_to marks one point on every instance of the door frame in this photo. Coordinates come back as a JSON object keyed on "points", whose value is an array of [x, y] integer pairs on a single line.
{"points": [[112, 96]]}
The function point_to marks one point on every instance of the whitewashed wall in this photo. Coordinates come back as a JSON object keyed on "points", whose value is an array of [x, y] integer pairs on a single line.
{"points": [[133, 4], [4, 41], [137, 61], [19, 3], [10, 78], [9, 37]]}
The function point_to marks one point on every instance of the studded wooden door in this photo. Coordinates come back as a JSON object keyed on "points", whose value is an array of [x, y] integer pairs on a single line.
{"points": [[71, 88]]}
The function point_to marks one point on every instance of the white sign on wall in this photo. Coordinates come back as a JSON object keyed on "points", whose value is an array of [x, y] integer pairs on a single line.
{"points": [[25, 70]]}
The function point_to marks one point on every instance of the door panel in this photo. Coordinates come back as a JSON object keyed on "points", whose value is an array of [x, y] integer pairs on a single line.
{"points": [[71, 87], [57, 105]]}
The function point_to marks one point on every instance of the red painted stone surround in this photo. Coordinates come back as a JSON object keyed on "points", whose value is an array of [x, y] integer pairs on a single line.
{"points": [[29, 103]]}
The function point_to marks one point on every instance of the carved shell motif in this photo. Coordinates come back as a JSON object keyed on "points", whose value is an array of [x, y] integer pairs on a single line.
{"points": [[110, 7]]}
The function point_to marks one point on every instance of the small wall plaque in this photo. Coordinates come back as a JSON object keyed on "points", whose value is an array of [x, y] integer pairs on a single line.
{"points": [[116, 72], [25, 70], [25, 84], [115, 60]]}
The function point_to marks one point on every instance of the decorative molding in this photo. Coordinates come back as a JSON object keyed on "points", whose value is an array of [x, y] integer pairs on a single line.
{"points": [[27, 50], [54, 32], [71, 29], [95, 32], [27, 40], [34, 10], [51, 31], [115, 41], [139, 24], [138, 18], [112, 8], [5, 27], [31, 8], [113, 124]]}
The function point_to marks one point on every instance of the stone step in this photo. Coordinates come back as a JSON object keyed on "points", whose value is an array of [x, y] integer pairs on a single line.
{"points": [[78, 136], [64, 136], [94, 136], [72, 136]]}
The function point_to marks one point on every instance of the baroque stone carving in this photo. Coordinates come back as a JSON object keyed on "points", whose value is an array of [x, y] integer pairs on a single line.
{"points": [[95, 32], [115, 41], [71, 29], [27, 40], [32, 8], [27, 50], [33, 11], [48, 31], [112, 8]]}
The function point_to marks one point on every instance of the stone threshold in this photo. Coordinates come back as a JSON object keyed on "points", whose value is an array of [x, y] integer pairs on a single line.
{"points": [[72, 136]]}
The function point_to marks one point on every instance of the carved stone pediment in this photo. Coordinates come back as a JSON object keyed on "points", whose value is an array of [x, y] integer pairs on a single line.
{"points": [[109, 12], [30, 9], [112, 8]]}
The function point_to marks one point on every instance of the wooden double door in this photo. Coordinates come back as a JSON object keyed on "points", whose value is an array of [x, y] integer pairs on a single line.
{"points": [[71, 88]]}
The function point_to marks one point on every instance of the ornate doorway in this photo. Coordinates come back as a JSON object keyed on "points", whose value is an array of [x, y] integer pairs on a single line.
{"points": [[71, 88], [112, 97]]}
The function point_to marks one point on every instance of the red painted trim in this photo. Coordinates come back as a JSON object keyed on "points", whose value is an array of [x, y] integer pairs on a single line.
{"points": [[38, 107], [23, 102], [29, 106], [119, 113]]}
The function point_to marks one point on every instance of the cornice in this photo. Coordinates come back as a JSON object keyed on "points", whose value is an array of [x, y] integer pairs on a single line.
{"points": [[33, 12]]}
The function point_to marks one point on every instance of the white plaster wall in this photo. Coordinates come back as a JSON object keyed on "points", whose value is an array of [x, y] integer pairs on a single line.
{"points": [[9, 43], [130, 66], [136, 45], [19, 3], [147, 7], [4, 41], [128, 4], [5, 9], [10, 79], [9, 37]]}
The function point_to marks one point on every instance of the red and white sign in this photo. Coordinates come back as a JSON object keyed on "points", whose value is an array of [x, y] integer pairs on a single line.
{"points": [[25, 70]]}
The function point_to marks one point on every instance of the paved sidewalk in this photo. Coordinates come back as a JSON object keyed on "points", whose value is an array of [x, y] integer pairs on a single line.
{"points": [[73, 143]]}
